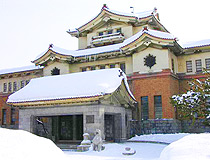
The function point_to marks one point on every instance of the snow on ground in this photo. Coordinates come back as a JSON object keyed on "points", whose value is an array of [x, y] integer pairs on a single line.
{"points": [[22, 145], [113, 151], [191, 147], [162, 138]]}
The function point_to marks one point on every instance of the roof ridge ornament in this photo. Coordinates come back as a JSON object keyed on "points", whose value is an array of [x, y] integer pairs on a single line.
{"points": [[145, 28], [105, 6], [51, 46]]}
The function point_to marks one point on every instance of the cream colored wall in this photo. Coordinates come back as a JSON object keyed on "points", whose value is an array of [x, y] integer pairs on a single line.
{"points": [[127, 60], [162, 61], [82, 42], [64, 68], [137, 29], [127, 30], [174, 57], [191, 57]]}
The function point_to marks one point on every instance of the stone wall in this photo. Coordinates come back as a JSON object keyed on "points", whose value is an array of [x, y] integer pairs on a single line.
{"points": [[163, 126]]}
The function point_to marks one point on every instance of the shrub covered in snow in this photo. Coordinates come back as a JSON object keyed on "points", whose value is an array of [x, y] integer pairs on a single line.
{"points": [[195, 103], [191, 147], [22, 145]]}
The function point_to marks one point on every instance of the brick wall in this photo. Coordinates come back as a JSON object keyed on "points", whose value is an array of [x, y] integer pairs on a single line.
{"points": [[163, 83]]}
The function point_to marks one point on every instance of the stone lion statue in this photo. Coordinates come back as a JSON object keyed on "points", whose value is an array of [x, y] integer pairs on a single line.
{"points": [[97, 141]]}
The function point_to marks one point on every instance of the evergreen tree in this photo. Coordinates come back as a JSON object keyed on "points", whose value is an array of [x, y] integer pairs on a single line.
{"points": [[196, 102]]}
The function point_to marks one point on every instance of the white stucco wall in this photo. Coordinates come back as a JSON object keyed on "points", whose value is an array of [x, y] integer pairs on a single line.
{"points": [[162, 61], [64, 68]]}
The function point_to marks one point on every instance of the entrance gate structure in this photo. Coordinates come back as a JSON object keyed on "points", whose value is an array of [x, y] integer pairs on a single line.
{"points": [[99, 100]]}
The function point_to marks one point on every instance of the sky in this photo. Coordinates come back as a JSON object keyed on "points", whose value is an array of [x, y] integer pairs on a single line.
{"points": [[27, 27]]}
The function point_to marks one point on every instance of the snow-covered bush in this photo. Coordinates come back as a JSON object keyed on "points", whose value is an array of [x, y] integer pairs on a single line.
{"points": [[191, 147], [195, 103]]}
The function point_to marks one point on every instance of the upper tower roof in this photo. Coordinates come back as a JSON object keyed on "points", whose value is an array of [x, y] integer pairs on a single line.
{"points": [[106, 14]]}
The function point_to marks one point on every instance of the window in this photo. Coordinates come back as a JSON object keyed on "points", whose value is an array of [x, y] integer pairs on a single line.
{"points": [[172, 65], [13, 119], [158, 107], [5, 87], [102, 67], [4, 116], [198, 65], [100, 33], [55, 71], [144, 107], [112, 65], [119, 30], [92, 68], [122, 67], [9, 87], [14, 86], [207, 63], [189, 66], [22, 84], [84, 69], [109, 31]]}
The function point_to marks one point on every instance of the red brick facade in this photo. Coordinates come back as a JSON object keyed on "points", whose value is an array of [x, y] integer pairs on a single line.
{"points": [[164, 84], [9, 116]]}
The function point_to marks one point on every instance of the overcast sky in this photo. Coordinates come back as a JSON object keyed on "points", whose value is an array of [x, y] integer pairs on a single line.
{"points": [[27, 27]]}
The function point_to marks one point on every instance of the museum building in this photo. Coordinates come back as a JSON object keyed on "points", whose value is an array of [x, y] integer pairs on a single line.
{"points": [[114, 48]]}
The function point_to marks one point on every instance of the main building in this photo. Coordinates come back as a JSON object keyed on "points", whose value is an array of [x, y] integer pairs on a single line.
{"points": [[155, 64]]}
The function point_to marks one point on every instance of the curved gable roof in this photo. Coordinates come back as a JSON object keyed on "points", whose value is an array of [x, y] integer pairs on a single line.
{"points": [[71, 86], [128, 17], [110, 48]]}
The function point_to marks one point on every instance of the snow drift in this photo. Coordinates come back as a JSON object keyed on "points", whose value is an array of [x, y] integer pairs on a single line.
{"points": [[22, 145], [191, 147]]}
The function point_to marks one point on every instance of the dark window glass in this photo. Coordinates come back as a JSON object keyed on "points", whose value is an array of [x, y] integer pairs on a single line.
{"points": [[13, 119], [5, 87], [14, 86], [9, 87], [4, 116], [198, 65], [119, 30], [100, 33], [92, 68], [189, 66], [145, 107], [102, 67], [22, 84], [122, 67], [112, 65], [207, 63], [27, 82], [172, 65], [109, 31], [84, 69], [158, 107]]}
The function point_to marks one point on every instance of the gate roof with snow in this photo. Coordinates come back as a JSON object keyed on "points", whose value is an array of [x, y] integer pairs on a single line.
{"points": [[75, 88]]}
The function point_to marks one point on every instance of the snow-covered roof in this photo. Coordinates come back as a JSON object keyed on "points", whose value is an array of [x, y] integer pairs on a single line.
{"points": [[195, 44], [69, 86], [110, 48], [19, 69], [139, 15]]}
